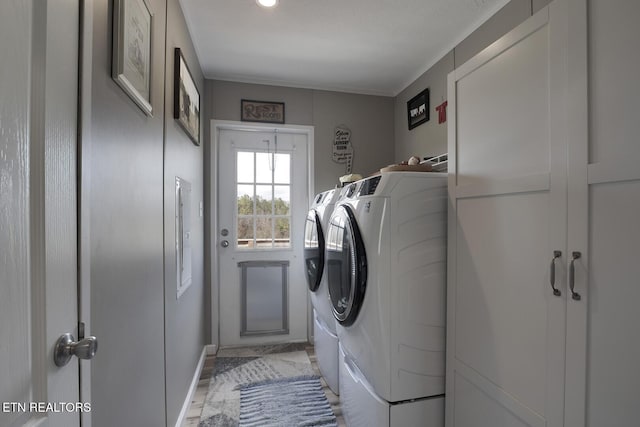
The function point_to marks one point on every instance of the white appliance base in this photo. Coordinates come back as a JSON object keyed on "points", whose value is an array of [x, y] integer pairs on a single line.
{"points": [[361, 407], [326, 348]]}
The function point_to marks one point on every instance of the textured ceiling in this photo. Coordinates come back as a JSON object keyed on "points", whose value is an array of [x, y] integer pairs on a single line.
{"points": [[364, 46]]}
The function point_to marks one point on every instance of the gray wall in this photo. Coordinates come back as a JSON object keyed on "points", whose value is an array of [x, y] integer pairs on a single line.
{"points": [[184, 318], [126, 255], [134, 317], [370, 119], [431, 138]]}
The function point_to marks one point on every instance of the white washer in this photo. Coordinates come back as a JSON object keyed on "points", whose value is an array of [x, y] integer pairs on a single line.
{"points": [[386, 264], [325, 337]]}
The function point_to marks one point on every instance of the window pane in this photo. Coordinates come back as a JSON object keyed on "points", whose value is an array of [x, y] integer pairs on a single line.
{"points": [[282, 168], [258, 203], [263, 232], [263, 200], [282, 199], [264, 168], [245, 199], [244, 166], [282, 233], [245, 233]]}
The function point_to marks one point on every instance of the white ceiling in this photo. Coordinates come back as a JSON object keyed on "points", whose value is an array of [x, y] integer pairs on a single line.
{"points": [[373, 47]]}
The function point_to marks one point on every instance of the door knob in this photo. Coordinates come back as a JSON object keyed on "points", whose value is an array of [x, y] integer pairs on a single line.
{"points": [[67, 347], [224, 243]]}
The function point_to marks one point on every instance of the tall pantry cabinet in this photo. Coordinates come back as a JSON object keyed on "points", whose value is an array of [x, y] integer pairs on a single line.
{"points": [[544, 245]]}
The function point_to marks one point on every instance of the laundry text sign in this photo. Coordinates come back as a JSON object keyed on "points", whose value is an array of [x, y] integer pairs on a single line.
{"points": [[342, 149]]}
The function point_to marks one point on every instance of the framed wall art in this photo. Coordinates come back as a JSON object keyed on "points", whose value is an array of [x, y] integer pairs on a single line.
{"points": [[186, 98], [131, 61], [261, 111], [418, 109]]}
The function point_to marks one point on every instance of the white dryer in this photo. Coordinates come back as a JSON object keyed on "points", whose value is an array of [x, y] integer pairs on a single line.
{"points": [[386, 265], [324, 335]]}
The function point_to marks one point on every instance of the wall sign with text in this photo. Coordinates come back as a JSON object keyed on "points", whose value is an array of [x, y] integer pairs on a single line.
{"points": [[262, 111], [342, 148]]}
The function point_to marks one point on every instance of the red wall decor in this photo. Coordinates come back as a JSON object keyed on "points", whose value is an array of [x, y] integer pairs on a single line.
{"points": [[442, 112]]}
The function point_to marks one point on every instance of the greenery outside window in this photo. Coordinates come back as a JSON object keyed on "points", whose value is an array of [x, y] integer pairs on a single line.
{"points": [[263, 199]]}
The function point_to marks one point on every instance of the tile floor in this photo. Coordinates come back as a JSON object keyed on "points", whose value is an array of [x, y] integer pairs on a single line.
{"points": [[193, 415]]}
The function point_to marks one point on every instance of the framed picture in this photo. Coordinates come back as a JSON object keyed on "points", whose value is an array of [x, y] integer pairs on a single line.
{"points": [[186, 98], [262, 111], [131, 61], [418, 109]]}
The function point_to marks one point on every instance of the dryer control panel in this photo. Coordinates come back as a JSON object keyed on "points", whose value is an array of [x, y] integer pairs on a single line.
{"points": [[369, 186], [350, 191]]}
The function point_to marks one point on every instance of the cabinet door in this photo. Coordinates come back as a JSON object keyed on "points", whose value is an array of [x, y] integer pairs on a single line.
{"points": [[507, 186], [602, 334]]}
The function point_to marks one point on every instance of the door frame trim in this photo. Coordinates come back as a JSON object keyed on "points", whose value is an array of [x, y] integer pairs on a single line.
{"points": [[216, 127], [85, 62]]}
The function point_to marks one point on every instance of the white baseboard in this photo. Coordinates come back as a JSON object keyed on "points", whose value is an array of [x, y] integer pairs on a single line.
{"points": [[192, 388], [211, 349]]}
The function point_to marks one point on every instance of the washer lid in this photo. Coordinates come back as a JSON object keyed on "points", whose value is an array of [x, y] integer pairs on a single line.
{"points": [[313, 250], [346, 265]]}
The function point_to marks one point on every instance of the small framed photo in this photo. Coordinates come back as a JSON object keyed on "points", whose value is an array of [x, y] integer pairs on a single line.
{"points": [[418, 109], [186, 98], [262, 111], [131, 61]]}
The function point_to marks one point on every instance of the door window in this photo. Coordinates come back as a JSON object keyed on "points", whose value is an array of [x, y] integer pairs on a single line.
{"points": [[263, 194]]}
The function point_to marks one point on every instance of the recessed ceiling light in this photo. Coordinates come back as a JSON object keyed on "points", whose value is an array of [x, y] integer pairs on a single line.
{"points": [[267, 3]]}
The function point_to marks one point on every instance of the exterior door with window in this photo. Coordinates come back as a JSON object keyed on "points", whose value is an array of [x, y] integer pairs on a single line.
{"points": [[262, 202]]}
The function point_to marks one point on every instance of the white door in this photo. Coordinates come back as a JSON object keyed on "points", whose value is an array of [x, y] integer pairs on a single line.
{"points": [[263, 196], [38, 294], [603, 349], [507, 230]]}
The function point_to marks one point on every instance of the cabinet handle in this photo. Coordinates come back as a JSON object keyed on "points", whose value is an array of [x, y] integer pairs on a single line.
{"points": [[572, 275], [552, 273]]}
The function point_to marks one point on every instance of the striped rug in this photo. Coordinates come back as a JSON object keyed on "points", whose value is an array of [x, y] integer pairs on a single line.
{"points": [[217, 400], [298, 401]]}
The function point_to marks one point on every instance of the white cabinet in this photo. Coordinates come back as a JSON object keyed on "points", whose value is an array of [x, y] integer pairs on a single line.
{"points": [[543, 166], [603, 342], [508, 210]]}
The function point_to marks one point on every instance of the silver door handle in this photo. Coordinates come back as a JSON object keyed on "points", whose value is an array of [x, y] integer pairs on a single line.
{"points": [[572, 275], [224, 243], [552, 273], [67, 347]]}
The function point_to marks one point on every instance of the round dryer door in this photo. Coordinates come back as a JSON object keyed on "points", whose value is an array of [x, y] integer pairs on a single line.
{"points": [[346, 265], [313, 250]]}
